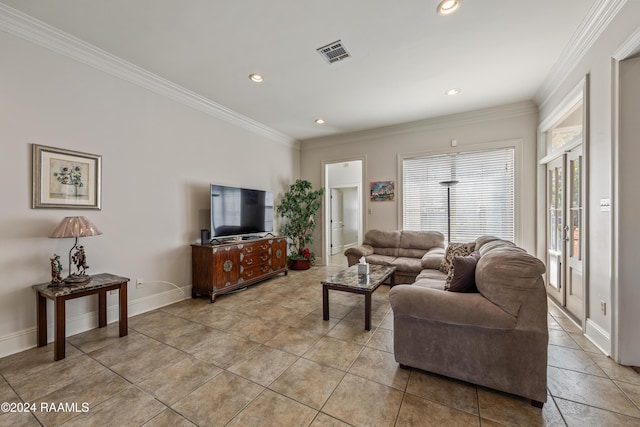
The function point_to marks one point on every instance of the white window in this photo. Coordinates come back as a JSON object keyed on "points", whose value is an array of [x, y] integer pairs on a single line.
{"points": [[482, 200]]}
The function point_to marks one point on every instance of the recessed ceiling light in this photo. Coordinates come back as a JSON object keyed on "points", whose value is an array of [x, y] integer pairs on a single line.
{"points": [[447, 7], [454, 91], [319, 121], [256, 78]]}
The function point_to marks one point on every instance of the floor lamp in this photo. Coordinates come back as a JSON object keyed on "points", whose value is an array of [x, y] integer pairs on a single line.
{"points": [[449, 184]]}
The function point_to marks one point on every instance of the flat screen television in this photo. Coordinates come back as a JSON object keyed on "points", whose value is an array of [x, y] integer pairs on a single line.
{"points": [[240, 211]]}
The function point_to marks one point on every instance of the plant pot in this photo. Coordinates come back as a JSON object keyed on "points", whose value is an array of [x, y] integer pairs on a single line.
{"points": [[299, 264]]}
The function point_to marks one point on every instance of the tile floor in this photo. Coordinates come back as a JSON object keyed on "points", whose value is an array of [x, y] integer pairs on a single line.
{"points": [[264, 356]]}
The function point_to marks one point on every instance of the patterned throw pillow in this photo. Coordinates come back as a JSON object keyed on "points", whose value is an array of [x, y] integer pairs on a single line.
{"points": [[455, 249]]}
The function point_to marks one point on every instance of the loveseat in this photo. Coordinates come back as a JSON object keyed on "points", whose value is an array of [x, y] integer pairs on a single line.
{"points": [[409, 251], [495, 337]]}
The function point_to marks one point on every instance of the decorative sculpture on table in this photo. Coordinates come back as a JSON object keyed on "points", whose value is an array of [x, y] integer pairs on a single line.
{"points": [[79, 258], [56, 269], [76, 226]]}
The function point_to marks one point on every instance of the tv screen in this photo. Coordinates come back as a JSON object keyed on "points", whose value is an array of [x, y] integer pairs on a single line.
{"points": [[237, 211]]}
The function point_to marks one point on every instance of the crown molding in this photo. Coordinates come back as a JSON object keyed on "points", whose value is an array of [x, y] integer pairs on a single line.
{"points": [[35, 31], [442, 122], [597, 20]]}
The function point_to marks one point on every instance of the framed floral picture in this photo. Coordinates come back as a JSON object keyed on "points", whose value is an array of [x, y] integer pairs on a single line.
{"points": [[65, 178]]}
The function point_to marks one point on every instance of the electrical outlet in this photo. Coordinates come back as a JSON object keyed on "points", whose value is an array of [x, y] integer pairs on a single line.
{"points": [[139, 283], [603, 307]]}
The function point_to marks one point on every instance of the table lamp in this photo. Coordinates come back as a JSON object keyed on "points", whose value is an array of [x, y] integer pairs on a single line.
{"points": [[76, 226]]}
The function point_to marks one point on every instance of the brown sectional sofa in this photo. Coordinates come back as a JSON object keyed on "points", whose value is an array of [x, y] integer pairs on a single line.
{"points": [[409, 251], [496, 337]]}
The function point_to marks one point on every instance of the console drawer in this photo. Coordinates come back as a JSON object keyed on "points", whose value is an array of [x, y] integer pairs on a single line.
{"points": [[254, 259], [247, 273]]}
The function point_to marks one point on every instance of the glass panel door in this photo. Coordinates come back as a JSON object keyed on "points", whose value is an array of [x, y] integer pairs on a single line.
{"points": [[555, 226], [574, 283]]}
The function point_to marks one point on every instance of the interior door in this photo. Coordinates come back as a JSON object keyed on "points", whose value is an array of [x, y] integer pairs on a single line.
{"points": [[350, 216], [337, 221], [574, 289], [565, 232]]}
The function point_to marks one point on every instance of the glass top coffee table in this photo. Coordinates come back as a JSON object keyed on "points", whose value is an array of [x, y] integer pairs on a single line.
{"points": [[350, 281]]}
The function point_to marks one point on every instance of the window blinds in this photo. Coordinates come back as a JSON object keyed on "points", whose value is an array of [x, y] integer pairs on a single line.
{"points": [[482, 202]]}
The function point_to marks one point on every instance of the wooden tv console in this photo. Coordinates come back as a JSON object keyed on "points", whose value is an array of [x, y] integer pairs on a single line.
{"points": [[218, 269]]}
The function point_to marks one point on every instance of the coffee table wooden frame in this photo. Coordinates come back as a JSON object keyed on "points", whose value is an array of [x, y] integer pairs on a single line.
{"points": [[349, 281]]}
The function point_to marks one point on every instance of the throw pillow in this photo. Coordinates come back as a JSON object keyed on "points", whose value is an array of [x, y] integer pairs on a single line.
{"points": [[462, 277], [455, 249]]}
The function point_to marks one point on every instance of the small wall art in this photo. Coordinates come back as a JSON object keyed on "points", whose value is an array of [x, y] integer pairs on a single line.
{"points": [[383, 191], [65, 178]]}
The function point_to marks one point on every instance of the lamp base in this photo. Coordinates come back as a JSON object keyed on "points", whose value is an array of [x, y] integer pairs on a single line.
{"points": [[56, 284], [75, 278]]}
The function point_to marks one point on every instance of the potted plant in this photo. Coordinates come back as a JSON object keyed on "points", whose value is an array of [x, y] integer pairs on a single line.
{"points": [[298, 207]]}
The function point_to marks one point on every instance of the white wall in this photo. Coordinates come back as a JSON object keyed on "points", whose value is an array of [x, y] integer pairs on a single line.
{"points": [[380, 149], [158, 158], [602, 242]]}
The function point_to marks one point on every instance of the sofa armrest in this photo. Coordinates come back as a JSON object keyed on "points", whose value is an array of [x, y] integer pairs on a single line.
{"points": [[354, 253], [453, 308], [432, 258]]}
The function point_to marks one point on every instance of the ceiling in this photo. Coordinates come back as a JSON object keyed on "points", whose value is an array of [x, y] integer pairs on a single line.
{"points": [[404, 56]]}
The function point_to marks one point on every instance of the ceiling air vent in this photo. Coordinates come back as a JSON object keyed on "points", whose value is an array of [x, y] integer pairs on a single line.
{"points": [[334, 52]]}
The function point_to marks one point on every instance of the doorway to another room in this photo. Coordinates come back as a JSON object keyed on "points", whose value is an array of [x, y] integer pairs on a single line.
{"points": [[343, 221], [564, 136]]}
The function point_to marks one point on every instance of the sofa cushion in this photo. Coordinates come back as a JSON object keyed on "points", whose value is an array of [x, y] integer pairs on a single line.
{"points": [[462, 277], [497, 244], [380, 259], [433, 258], [448, 309], [453, 249], [504, 275], [428, 273], [412, 253], [430, 283], [412, 265], [410, 239], [480, 241], [383, 242]]}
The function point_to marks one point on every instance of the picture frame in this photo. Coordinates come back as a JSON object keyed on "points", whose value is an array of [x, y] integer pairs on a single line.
{"points": [[383, 191], [65, 179]]}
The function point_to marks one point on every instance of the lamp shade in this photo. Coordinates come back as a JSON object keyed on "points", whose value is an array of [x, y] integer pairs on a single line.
{"points": [[74, 226]]}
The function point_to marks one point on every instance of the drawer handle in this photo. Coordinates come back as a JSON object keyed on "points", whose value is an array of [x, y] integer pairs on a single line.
{"points": [[227, 266], [249, 262], [264, 257], [249, 273], [279, 253], [263, 247], [249, 249]]}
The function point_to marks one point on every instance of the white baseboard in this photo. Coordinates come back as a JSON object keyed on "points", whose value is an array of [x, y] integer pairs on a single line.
{"points": [[26, 339], [598, 336]]}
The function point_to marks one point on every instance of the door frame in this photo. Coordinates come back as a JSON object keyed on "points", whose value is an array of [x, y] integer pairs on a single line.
{"points": [[326, 226], [629, 48], [579, 92], [332, 210]]}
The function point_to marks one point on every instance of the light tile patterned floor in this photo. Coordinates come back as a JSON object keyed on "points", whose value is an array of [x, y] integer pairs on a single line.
{"points": [[264, 356]]}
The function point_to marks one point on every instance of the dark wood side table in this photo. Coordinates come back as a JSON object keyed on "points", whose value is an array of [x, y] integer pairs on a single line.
{"points": [[99, 284]]}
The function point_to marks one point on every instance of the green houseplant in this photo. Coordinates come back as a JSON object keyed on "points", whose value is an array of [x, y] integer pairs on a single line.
{"points": [[298, 207]]}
